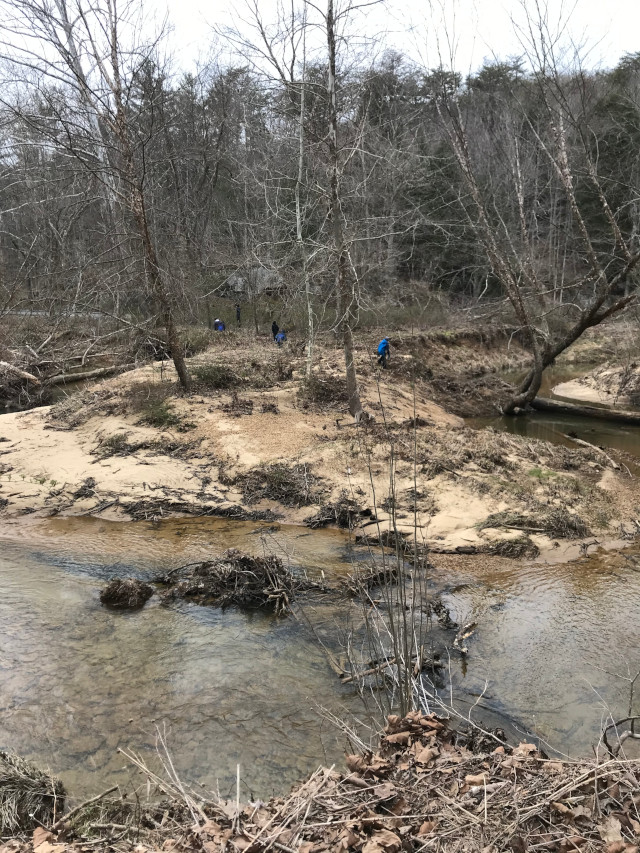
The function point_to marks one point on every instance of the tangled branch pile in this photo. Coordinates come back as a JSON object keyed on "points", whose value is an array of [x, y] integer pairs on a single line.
{"points": [[28, 796], [290, 485], [424, 790], [236, 578], [126, 594]]}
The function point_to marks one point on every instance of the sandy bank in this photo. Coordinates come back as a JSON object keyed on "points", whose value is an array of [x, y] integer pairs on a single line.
{"points": [[269, 453]]}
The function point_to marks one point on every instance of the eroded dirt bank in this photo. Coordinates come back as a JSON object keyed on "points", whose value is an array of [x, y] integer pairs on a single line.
{"points": [[255, 441]]}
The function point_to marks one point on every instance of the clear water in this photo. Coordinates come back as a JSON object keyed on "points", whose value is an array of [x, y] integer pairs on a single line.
{"points": [[77, 680]]}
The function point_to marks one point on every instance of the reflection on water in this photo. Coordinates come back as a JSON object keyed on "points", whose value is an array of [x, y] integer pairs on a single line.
{"points": [[78, 680], [549, 426]]}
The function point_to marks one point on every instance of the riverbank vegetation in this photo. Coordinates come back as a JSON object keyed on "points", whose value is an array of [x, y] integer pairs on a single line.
{"points": [[426, 786]]}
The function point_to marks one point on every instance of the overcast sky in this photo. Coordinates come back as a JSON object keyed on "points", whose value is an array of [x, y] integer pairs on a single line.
{"points": [[482, 28]]}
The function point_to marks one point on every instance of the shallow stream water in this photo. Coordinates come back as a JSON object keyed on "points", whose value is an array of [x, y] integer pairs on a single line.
{"points": [[78, 680]]}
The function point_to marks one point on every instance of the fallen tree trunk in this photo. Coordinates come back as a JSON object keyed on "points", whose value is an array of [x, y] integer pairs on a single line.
{"points": [[63, 378], [622, 417], [4, 365]]}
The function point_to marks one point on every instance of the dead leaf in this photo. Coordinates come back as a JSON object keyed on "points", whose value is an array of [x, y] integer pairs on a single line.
{"points": [[349, 838], [385, 791], [431, 723], [47, 847], [562, 809], [40, 835], [582, 812], [400, 738], [553, 766], [426, 755], [211, 828], [615, 847], [356, 763], [525, 749], [382, 841], [610, 830], [479, 779], [518, 844], [427, 827], [399, 807]]}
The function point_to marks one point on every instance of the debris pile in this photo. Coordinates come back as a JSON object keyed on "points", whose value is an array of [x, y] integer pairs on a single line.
{"points": [[28, 796], [290, 485], [237, 579], [428, 787], [425, 790], [126, 594]]}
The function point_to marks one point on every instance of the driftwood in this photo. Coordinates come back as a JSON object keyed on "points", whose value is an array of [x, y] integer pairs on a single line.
{"points": [[541, 404], [4, 365], [64, 378], [583, 443]]}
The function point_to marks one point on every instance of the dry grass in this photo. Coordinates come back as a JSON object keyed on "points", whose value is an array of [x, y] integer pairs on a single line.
{"points": [[290, 485], [28, 796], [557, 523]]}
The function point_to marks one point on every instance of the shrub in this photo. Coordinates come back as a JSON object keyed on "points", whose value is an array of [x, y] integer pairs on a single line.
{"points": [[158, 413], [215, 376], [324, 390]]}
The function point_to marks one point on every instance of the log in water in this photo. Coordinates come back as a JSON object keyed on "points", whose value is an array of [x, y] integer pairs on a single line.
{"points": [[607, 414]]}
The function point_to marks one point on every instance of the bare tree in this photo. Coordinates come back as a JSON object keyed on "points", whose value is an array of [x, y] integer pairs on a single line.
{"points": [[79, 48], [556, 126]]}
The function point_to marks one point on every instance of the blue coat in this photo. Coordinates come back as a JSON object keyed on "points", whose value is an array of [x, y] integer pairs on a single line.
{"points": [[383, 347]]}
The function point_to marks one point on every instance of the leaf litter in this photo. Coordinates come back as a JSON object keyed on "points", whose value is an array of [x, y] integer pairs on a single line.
{"points": [[422, 790]]}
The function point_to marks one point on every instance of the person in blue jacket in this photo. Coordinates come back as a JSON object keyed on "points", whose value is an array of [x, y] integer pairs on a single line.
{"points": [[384, 353], [281, 337], [218, 325]]}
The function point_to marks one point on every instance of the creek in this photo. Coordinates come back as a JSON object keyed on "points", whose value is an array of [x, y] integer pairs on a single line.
{"points": [[554, 427], [78, 680], [554, 644]]}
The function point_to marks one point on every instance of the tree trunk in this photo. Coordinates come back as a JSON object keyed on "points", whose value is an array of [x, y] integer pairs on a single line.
{"points": [[344, 298], [299, 235], [152, 268]]}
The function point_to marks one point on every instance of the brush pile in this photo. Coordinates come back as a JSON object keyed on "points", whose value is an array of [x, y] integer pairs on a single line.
{"points": [[28, 796], [127, 594], [237, 579], [427, 788]]}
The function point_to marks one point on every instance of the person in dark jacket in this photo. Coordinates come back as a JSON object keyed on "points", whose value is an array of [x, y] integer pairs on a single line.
{"points": [[275, 328], [384, 353], [238, 322]]}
